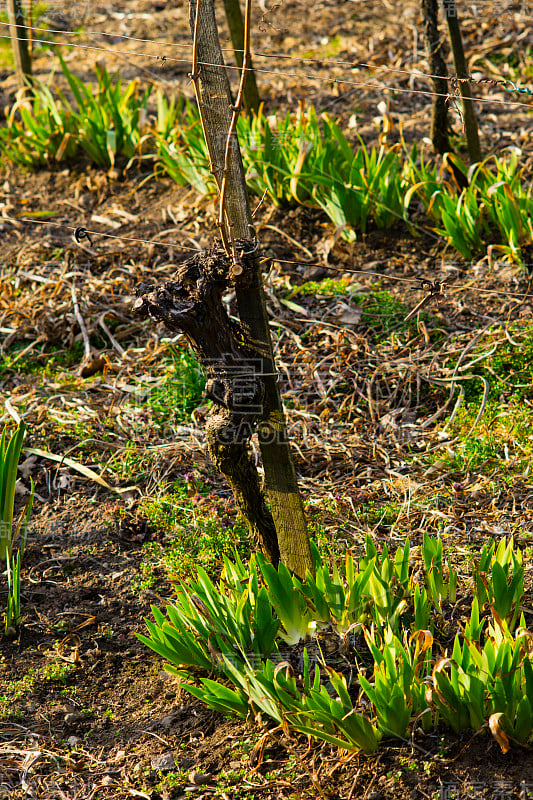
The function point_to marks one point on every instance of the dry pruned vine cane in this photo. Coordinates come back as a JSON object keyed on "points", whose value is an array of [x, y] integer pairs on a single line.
{"points": [[19, 41], [214, 170], [461, 68], [231, 140], [237, 34]]}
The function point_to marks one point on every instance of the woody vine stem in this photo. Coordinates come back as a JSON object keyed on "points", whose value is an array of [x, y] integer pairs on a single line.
{"points": [[194, 76], [222, 214]]}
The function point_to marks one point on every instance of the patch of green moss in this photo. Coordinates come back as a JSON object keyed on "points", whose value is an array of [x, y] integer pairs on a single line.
{"points": [[508, 367]]}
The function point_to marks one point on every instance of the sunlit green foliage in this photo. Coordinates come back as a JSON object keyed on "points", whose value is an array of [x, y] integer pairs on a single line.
{"points": [[237, 637], [303, 158]]}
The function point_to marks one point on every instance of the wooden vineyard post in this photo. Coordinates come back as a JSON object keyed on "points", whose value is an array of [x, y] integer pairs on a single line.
{"points": [[461, 69], [439, 71], [236, 31], [219, 120], [19, 42]]}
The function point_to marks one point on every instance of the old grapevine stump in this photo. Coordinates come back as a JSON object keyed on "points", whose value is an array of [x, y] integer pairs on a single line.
{"points": [[192, 304]]}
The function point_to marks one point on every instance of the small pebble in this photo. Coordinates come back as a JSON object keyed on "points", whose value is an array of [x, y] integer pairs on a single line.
{"points": [[69, 719], [167, 721], [163, 762], [200, 780]]}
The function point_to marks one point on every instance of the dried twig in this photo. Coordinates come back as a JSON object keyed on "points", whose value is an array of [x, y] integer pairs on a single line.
{"points": [[81, 323], [195, 78], [231, 140]]}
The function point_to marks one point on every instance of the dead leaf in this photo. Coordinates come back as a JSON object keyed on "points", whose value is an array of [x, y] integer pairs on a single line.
{"points": [[69, 462], [498, 732], [347, 315], [91, 366], [27, 466]]}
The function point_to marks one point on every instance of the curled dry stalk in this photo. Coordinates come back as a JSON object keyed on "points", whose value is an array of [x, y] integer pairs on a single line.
{"points": [[284, 742]]}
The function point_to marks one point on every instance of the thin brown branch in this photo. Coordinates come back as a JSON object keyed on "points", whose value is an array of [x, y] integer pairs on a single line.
{"points": [[194, 76], [222, 214]]}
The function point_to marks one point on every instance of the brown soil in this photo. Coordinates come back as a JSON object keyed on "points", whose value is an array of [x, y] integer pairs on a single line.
{"points": [[99, 730]]}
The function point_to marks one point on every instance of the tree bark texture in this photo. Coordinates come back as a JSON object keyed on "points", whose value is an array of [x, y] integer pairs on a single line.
{"points": [[236, 31], [280, 475], [192, 304], [19, 42], [437, 67], [461, 69]]}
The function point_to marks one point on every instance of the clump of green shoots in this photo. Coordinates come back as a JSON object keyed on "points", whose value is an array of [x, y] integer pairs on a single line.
{"points": [[257, 641], [104, 121], [12, 536], [302, 158]]}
